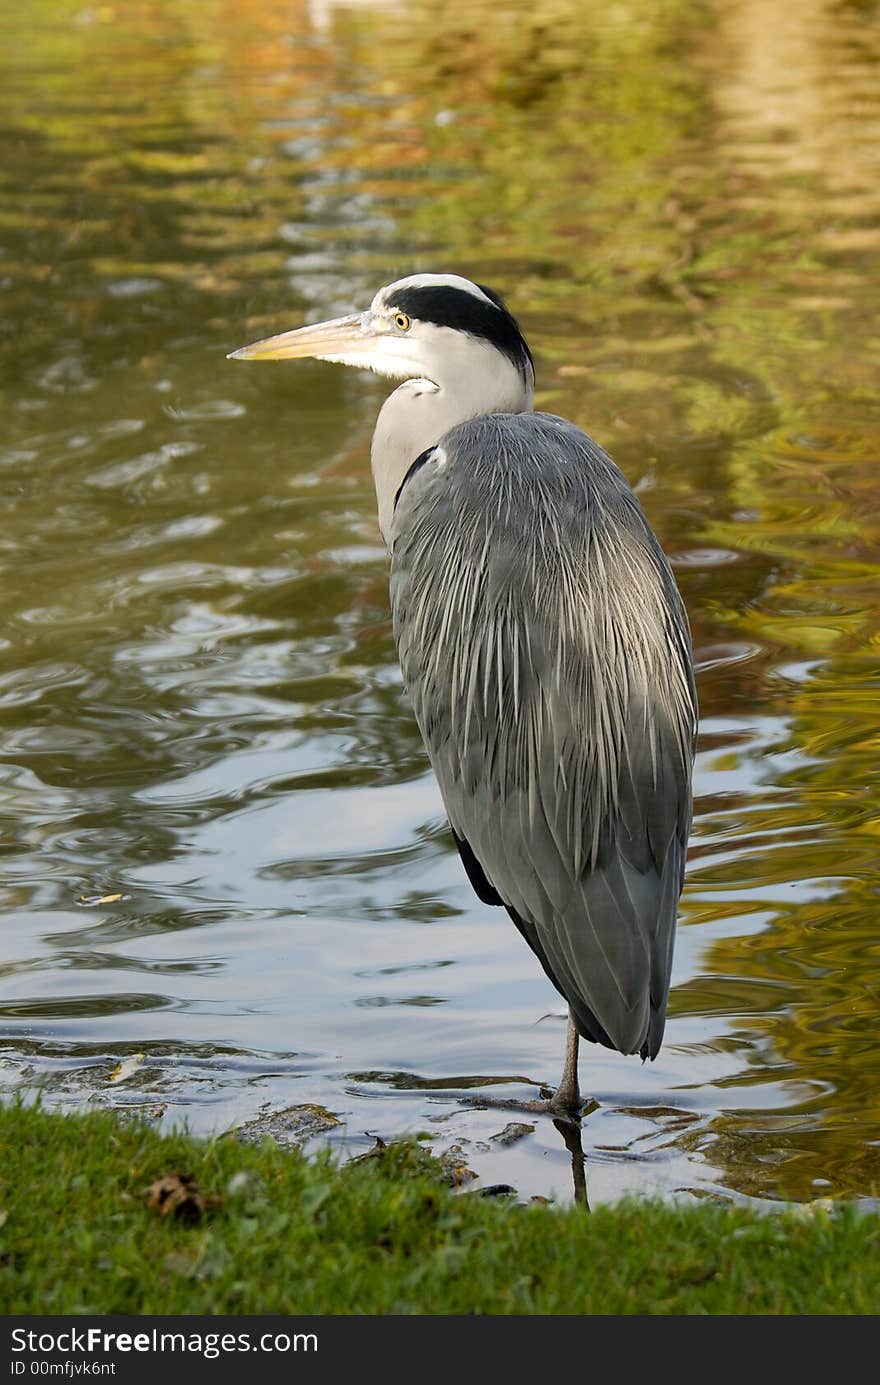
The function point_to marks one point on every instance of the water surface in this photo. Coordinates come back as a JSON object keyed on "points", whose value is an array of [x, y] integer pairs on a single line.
{"points": [[222, 846]]}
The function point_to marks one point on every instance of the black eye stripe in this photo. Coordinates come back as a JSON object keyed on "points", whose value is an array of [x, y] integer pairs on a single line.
{"points": [[465, 312]]}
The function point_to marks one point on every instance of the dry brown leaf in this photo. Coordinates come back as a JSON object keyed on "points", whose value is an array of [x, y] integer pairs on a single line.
{"points": [[178, 1195]]}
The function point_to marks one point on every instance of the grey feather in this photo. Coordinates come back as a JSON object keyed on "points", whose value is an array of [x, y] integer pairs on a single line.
{"points": [[547, 657]]}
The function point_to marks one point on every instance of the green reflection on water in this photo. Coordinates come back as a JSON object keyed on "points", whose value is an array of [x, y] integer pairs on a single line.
{"points": [[681, 203]]}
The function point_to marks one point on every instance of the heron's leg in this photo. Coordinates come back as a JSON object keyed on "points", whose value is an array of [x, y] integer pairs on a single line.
{"points": [[567, 1098], [567, 1107], [566, 1101]]}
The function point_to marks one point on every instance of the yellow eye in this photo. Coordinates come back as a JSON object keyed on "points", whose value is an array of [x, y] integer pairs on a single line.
{"points": [[402, 322]]}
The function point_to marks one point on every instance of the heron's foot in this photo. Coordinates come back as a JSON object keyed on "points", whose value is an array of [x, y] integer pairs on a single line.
{"points": [[566, 1109], [566, 1104], [559, 1105]]}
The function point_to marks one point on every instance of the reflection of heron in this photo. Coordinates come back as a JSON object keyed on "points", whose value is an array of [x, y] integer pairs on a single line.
{"points": [[543, 644]]}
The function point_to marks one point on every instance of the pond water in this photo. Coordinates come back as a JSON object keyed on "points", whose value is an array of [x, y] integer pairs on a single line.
{"points": [[222, 847]]}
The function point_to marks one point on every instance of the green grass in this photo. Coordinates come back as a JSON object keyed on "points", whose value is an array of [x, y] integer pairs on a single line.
{"points": [[287, 1234]]}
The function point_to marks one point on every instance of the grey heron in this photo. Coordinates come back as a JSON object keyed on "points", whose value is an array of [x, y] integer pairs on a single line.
{"points": [[544, 647]]}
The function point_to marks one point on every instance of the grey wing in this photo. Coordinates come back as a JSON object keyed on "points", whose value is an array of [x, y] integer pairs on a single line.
{"points": [[547, 657]]}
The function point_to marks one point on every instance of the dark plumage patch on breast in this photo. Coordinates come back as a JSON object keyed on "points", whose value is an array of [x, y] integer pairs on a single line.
{"points": [[446, 306], [415, 466]]}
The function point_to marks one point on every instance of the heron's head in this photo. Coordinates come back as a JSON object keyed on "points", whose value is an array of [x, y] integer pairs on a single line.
{"points": [[435, 327]]}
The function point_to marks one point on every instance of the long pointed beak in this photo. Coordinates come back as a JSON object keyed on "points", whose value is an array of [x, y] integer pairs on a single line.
{"points": [[346, 337]]}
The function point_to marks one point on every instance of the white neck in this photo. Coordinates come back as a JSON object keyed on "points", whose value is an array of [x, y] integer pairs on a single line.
{"points": [[479, 380]]}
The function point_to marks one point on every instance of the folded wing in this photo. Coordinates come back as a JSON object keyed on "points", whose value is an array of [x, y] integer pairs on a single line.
{"points": [[546, 654]]}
